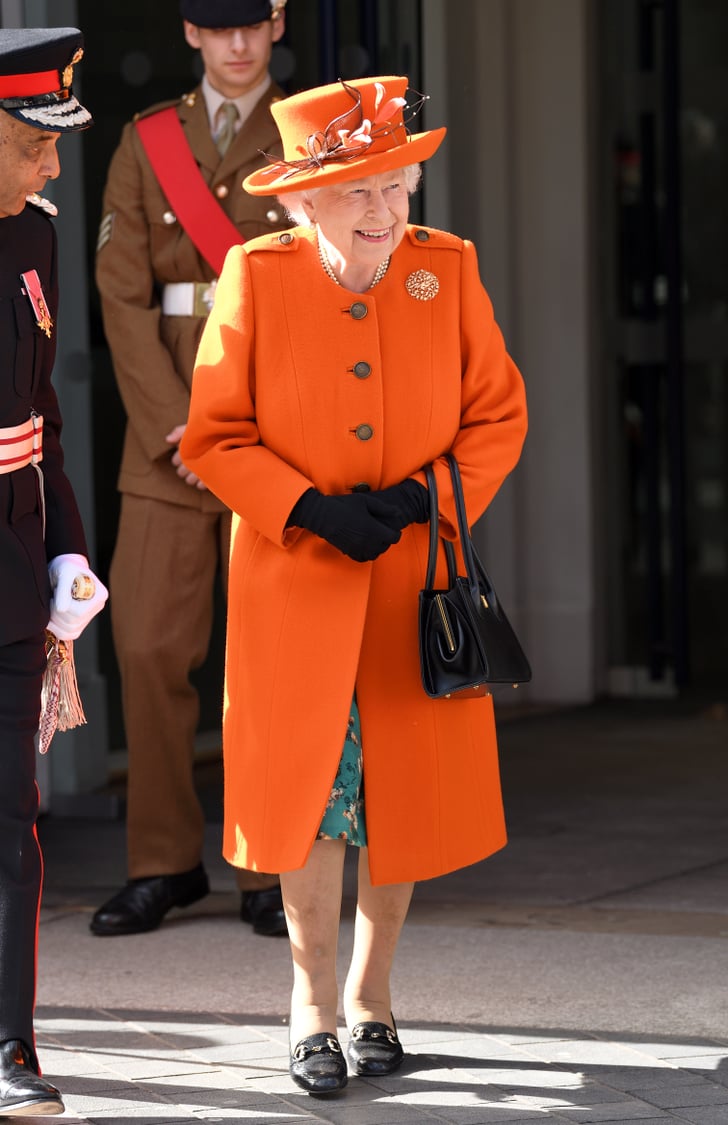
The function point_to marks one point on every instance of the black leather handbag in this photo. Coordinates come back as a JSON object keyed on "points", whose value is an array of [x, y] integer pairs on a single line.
{"points": [[466, 640]]}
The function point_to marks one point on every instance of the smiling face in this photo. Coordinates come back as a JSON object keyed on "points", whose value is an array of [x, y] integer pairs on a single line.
{"points": [[236, 59], [360, 223], [28, 159]]}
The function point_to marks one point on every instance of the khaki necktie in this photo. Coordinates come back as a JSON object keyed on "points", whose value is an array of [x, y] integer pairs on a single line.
{"points": [[227, 116]]}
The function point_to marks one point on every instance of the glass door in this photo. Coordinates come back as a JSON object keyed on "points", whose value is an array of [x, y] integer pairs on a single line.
{"points": [[664, 302]]}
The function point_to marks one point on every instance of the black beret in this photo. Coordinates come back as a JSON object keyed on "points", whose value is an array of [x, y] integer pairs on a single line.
{"points": [[36, 72], [226, 13]]}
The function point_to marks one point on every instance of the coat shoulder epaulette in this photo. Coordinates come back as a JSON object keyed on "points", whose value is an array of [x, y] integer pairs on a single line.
{"points": [[41, 205], [283, 240], [159, 106], [434, 239]]}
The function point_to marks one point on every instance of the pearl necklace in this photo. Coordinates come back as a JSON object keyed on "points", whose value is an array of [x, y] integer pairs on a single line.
{"points": [[329, 271]]}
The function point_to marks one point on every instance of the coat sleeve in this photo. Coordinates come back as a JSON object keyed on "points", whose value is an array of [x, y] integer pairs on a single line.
{"points": [[222, 442], [154, 394], [64, 530], [493, 414]]}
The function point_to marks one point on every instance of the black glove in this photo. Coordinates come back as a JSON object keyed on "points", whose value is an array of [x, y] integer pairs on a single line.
{"points": [[410, 499], [358, 524]]}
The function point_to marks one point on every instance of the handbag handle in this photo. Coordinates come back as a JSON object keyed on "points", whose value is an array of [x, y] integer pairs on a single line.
{"points": [[434, 527], [477, 576], [470, 557]]}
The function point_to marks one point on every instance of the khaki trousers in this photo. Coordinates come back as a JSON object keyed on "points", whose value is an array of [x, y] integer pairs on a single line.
{"points": [[162, 581]]}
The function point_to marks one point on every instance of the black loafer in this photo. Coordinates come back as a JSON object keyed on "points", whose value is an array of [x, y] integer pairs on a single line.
{"points": [[317, 1064], [264, 910], [23, 1093], [142, 904], [374, 1048]]}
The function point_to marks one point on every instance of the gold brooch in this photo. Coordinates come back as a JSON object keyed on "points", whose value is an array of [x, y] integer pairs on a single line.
{"points": [[422, 285]]}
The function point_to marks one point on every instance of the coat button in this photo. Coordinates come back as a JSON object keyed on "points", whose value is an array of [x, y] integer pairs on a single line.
{"points": [[272, 216], [362, 370], [362, 486], [423, 235], [364, 432], [285, 238], [358, 310], [222, 190], [169, 217]]}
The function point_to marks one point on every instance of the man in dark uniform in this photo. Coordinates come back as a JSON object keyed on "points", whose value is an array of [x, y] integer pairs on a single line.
{"points": [[173, 204], [42, 545]]}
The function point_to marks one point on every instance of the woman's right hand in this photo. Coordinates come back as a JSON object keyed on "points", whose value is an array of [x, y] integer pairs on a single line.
{"points": [[359, 524]]}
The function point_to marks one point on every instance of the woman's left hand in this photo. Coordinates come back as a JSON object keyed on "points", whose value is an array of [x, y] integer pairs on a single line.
{"points": [[410, 500]]}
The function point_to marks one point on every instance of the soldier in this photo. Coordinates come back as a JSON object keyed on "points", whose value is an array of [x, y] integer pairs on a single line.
{"points": [[42, 545], [173, 205]]}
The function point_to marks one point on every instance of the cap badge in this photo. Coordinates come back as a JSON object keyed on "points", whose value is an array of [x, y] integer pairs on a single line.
{"points": [[67, 76], [34, 292], [422, 285]]}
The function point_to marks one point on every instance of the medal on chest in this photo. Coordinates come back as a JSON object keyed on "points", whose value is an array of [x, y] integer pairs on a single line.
{"points": [[33, 290]]}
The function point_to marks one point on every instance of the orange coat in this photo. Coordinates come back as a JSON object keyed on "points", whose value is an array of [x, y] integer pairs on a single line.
{"points": [[276, 408]]}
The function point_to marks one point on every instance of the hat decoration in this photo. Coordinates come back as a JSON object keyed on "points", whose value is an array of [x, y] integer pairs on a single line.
{"points": [[336, 142], [370, 135]]}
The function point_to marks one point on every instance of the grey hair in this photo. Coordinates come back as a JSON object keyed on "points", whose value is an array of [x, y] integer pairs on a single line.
{"points": [[292, 202]]}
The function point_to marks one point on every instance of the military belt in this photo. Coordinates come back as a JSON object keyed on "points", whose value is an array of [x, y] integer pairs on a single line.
{"points": [[188, 298], [21, 445]]}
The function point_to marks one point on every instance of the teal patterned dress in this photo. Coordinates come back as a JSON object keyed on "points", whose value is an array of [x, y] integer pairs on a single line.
{"points": [[344, 816]]}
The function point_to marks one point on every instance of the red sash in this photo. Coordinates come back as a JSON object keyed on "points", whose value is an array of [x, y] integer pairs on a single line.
{"points": [[196, 208]]}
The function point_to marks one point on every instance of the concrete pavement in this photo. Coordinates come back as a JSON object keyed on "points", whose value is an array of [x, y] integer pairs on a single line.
{"points": [[581, 975]]}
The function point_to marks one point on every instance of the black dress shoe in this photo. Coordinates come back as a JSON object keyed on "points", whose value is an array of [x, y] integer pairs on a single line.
{"points": [[142, 903], [317, 1064], [264, 911], [23, 1092], [374, 1048]]}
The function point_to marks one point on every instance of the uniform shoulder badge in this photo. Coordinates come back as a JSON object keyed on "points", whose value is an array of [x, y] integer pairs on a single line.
{"points": [[106, 229], [41, 203]]}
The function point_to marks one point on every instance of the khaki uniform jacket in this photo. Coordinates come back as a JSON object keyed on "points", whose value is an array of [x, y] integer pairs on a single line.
{"points": [[142, 247], [300, 382]]}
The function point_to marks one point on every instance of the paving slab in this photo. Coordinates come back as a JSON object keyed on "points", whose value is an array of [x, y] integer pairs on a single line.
{"points": [[581, 975]]}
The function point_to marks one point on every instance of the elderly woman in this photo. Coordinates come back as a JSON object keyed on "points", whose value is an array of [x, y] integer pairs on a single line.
{"points": [[340, 357]]}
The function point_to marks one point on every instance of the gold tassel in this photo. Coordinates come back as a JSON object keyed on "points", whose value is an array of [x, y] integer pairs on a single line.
{"points": [[60, 702]]}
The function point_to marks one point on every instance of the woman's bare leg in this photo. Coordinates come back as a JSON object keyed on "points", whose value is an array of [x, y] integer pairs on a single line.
{"points": [[380, 915], [312, 901]]}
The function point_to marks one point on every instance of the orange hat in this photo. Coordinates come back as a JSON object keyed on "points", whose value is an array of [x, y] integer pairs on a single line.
{"points": [[342, 132]]}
